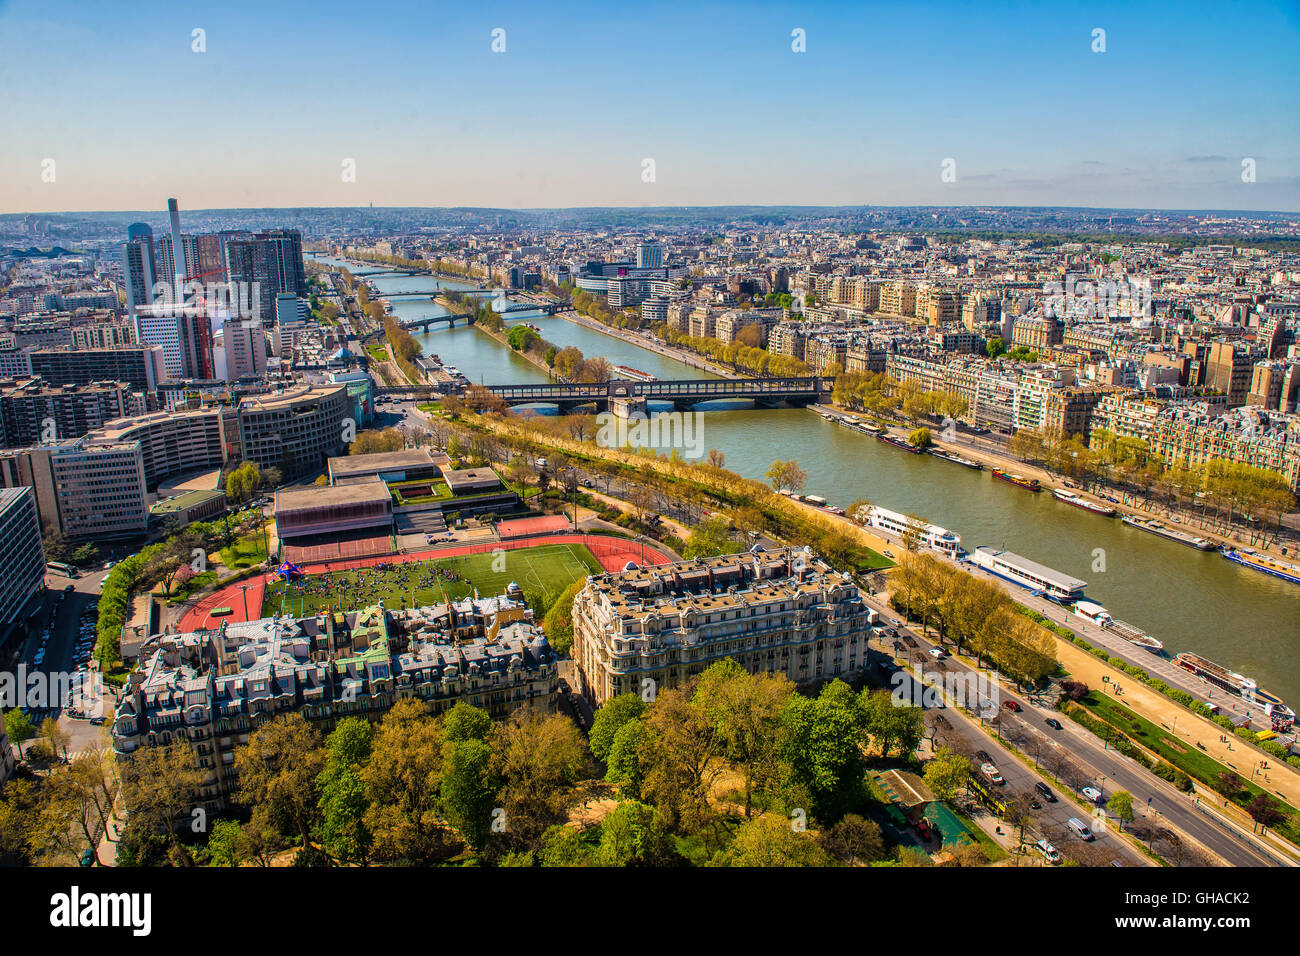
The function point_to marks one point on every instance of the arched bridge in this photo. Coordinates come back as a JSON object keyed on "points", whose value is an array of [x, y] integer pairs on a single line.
{"points": [[765, 392]]}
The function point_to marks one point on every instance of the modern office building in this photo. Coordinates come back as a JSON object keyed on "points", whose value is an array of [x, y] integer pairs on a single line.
{"points": [[296, 430], [649, 255], [22, 567], [268, 264], [243, 346], [783, 611], [86, 490], [143, 367], [176, 442], [139, 266], [182, 333], [212, 689]]}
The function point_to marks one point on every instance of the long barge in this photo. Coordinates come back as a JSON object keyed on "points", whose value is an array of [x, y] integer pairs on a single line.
{"points": [[1070, 498], [1163, 531], [1263, 562], [1030, 575], [956, 459], [628, 372], [1235, 683], [898, 443], [1029, 484]]}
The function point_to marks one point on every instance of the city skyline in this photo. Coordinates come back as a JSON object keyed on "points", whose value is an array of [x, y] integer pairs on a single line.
{"points": [[572, 106]]}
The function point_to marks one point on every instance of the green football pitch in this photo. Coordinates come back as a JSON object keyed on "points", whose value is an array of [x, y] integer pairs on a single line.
{"points": [[545, 570]]}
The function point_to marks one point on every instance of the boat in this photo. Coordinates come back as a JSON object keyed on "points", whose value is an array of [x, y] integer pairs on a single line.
{"points": [[1263, 562], [1029, 484], [1070, 498], [897, 443], [1173, 534], [956, 459], [930, 535], [1135, 635], [635, 374], [1030, 575], [1234, 683]]}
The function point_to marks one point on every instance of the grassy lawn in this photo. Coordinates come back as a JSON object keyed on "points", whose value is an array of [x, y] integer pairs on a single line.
{"points": [[244, 553], [400, 489], [547, 570], [1187, 758], [378, 352], [191, 587]]}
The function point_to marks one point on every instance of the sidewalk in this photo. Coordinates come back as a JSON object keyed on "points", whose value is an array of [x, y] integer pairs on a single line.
{"points": [[1278, 779]]}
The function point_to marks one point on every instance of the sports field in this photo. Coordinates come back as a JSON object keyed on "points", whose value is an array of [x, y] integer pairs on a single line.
{"points": [[547, 569]]}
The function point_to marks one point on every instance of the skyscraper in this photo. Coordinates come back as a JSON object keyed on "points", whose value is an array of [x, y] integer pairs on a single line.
{"points": [[649, 255], [271, 263], [139, 268]]}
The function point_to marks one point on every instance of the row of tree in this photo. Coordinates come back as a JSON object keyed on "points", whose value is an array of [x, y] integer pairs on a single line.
{"points": [[881, 395], [743, 355], [1230, 497], [976, 615]]}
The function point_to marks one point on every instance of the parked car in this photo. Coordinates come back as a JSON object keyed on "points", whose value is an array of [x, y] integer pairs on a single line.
{"points": [[1011, 705], [1053, 723], [1046, 791], [96, 721], [1050, 853], [1080, 828], [938, 653], [983, 756], [1092, 793], [992, 773]]}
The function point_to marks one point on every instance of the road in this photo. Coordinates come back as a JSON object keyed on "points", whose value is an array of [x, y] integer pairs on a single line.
{"points": [[948, 727], [1078, 758]]}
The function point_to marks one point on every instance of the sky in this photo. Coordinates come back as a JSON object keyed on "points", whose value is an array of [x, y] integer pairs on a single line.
{"points": [[120, 105]]}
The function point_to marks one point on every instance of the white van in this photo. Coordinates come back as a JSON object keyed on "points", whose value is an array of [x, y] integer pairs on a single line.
{"points": [[1050, 853], [1080, 828]]}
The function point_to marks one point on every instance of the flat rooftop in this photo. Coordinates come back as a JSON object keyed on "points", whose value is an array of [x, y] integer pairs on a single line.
{"points": [[349, 466], [313, 496]]}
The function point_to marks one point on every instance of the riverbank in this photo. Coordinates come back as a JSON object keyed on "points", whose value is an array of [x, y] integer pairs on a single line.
{"points": [[1006, 462], [500, 337]]}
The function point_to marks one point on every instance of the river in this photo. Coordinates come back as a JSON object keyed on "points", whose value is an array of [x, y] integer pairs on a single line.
{"points": [[1190, 600]]}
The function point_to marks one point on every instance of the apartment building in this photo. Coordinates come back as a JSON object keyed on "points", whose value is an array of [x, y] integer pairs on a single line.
{"points": [[213, 688], [782, 612], [898, 297], [33, 413]]}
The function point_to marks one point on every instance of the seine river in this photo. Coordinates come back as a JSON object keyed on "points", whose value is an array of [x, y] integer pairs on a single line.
{"points": [[1190, 600]]}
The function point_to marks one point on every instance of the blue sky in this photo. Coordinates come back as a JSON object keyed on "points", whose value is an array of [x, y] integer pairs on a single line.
{"points": [[712, 92]]}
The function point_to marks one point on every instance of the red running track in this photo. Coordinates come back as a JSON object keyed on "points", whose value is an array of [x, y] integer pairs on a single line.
{"points": [[612, 553]]}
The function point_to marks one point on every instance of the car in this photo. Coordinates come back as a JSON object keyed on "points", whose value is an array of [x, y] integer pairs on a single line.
{"points": [[888, 553], [938, 653], [1053, 723], [1012, 705], [983, 756], [924, 829], [992, 773], [1046, 791], [68, 587], [1034, 804], [1080, 828], [96, 721], [1092, 793], [1050, 853]]}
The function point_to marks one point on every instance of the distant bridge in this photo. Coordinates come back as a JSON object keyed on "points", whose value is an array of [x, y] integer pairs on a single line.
{"points": [[764, 392]]}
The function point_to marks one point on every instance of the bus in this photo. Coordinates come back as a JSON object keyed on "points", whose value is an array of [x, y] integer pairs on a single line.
{"points": [[67, 570]]}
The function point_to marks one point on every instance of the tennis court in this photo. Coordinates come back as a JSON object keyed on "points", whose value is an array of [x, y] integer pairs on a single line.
{"points": [[335, 548]]}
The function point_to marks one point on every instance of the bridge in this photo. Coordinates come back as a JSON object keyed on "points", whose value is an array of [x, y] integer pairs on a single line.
{"points": [[424, 323], [684, 395]]}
